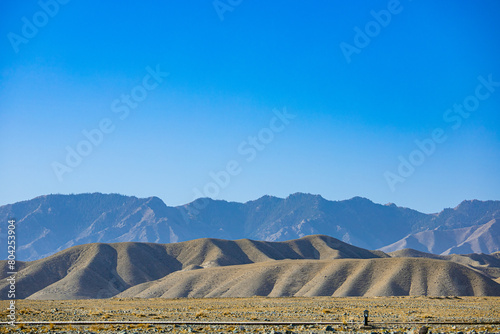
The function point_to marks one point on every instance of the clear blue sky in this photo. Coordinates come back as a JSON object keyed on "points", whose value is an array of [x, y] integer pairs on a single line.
{"points": [[353, 120]]}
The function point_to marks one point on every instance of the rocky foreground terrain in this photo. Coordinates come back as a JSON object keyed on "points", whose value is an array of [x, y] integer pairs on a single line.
{"points": [[321, 315]]}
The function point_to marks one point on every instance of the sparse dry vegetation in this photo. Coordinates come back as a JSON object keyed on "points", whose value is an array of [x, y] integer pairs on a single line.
{"points": [[345, 312]]}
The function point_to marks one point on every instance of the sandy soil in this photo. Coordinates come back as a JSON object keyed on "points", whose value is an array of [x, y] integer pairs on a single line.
{"points": [[347, 311]]}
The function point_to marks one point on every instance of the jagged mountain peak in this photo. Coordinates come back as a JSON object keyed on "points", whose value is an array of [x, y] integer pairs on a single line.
{"points": [[359, 199], [300, 195], [50, 223]]}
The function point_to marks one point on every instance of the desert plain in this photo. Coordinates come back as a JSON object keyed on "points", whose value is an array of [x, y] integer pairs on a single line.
{"points": [[257, 315]]}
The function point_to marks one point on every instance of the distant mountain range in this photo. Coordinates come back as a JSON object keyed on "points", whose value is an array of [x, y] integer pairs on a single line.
{"points": [[311, 266], [52, 223]]}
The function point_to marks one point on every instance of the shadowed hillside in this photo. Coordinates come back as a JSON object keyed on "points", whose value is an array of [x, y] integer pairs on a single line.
{"points": [[339, 278], [310, 266]]}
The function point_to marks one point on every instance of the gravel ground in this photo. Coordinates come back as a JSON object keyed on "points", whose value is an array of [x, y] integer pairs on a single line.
{"points": [[347, 312]]}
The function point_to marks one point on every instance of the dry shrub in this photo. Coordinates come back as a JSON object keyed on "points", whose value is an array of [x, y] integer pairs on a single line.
{"points": [[200, 314], [97, 328], [70, 328]]}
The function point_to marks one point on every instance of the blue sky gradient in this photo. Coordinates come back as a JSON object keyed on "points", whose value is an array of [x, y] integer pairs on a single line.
{"points": [[352, 119]]}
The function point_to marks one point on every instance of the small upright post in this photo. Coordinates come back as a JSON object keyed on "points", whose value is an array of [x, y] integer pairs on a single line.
{"points": [[365, 315]]}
